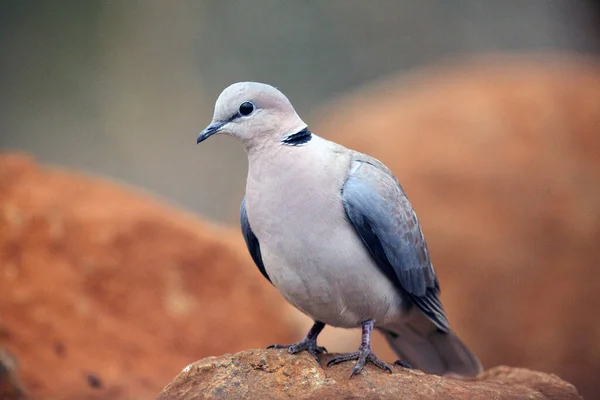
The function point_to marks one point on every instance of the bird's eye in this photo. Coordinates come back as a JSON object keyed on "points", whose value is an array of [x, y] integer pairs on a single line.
{"points": [[246, 108]]}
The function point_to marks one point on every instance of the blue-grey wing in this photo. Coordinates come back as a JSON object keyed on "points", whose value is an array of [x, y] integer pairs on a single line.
{"points": [[251, 240], [381, 214]]}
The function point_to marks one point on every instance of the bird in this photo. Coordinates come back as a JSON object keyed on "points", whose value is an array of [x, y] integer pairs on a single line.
{"points": [[333, 230]]}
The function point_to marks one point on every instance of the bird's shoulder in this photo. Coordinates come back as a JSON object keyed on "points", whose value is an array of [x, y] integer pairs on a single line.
{"points": [[353, 158], [379, 176]]}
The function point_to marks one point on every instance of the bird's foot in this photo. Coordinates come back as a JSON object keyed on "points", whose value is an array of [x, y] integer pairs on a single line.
{"points": [[403, 364], [363, 355], [308, 345]]}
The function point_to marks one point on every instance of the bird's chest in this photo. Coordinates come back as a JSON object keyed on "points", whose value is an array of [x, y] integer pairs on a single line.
{"points": [[309, 250], [303, 242], [289, 210], [295, 209]]}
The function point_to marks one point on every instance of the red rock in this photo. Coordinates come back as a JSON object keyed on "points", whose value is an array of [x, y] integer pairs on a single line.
{"points": [[500, 157], [106, 294], [275, 374]]}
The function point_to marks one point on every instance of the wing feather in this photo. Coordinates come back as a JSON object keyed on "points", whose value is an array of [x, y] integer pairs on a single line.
{"points": [[381, 214], [251, 240]]}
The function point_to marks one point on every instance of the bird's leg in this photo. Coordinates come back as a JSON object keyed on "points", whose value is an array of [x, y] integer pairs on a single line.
{"points": [[363, 354], [309, 343]]}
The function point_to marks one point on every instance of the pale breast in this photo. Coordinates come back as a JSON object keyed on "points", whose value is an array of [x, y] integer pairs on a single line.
{"points": [[310, 252]]}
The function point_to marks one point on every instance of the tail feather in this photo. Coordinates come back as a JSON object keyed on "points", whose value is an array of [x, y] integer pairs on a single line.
{"points": [[432, 350]]}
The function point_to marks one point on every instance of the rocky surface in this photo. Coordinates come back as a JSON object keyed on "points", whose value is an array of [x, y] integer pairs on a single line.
{"points": [[275, 374], [106, 294], [500, 156]]}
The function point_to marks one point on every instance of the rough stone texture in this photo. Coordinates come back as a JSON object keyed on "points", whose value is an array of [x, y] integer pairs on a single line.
{"points": [[275, 374], [106, 294], [500, 157]]}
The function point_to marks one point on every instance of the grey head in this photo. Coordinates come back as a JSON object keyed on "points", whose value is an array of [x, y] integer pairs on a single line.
{"points": [[255, 113]]}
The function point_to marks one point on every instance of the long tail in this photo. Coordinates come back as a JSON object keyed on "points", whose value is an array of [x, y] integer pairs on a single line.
{"points": [[431, 350]]}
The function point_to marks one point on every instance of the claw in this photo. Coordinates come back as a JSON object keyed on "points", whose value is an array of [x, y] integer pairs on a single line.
{"points": [[308, 344], [304, 345], [278, 346], [363, 355], [403, 364], [343, 358], [310, 347]]}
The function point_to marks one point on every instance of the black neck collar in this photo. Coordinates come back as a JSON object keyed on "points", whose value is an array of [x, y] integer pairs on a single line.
{"points": [[298, 138]]}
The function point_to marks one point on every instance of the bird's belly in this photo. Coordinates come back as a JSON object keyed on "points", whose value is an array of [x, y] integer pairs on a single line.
{"points": [[330, 276]]}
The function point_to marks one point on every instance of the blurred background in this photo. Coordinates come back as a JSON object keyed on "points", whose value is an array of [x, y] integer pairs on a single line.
{"points": [[488, 112], [121, 88]]}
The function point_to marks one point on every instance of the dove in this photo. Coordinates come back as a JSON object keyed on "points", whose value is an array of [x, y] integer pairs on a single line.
{"points": [[333, 230]]}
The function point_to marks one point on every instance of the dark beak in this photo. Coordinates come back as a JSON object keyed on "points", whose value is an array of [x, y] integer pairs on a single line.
{"points": [[209, 131]]}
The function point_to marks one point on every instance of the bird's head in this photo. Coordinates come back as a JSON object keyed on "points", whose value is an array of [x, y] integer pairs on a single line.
{"points": [[255, 113]]}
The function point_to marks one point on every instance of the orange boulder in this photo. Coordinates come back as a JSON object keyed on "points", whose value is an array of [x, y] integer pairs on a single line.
{"points": [[275, 374], [106, 294]]}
